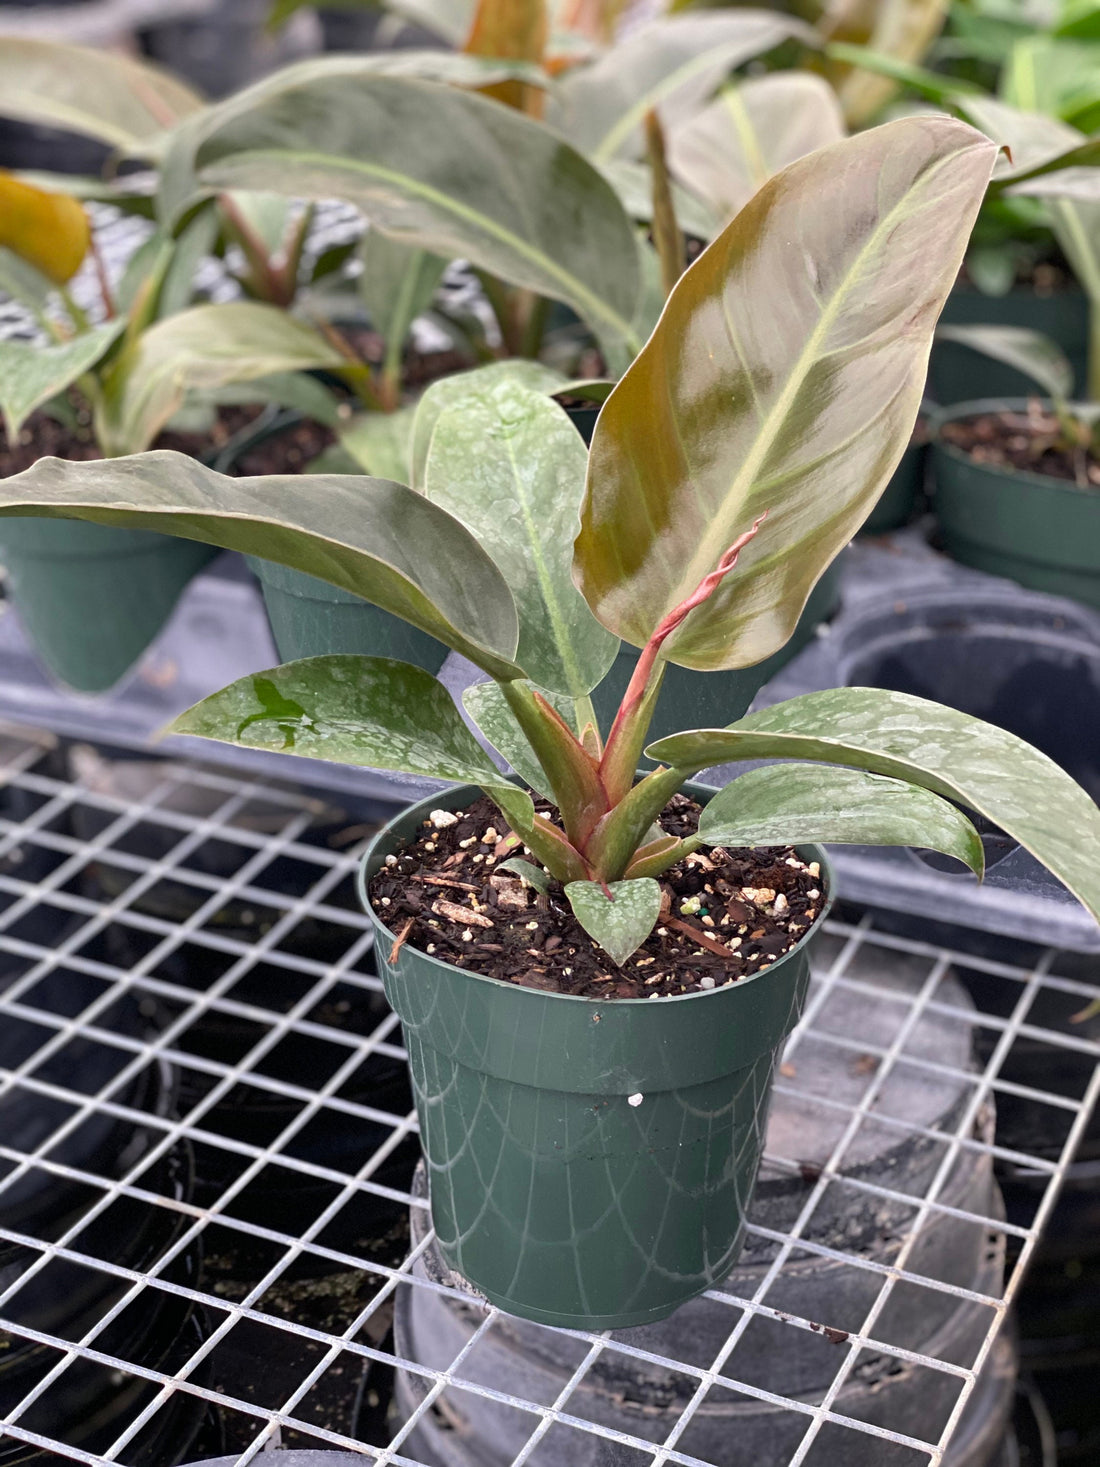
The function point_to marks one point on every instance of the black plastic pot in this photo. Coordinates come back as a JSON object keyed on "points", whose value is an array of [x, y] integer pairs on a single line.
{"points": [[957, 374], [219, 51], [644, 1398], [1040, 531]]}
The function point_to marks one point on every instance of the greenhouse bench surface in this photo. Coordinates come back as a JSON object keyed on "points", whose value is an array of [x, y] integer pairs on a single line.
{"points": [[208, 1168]]}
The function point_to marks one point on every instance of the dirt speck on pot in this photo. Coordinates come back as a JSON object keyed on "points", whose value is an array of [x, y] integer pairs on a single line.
{"points": [[726, 914]]}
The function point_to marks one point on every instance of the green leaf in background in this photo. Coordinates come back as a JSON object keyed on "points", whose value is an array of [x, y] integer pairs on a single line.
{"points": [[99, 94], [824, 289], [381, 443], [446, 392], [20, 280], [366, 536], [727, 151], [786, 804], [31, 375], [633, 182], [294, 390], [1038, 144], [488, 707], [396, 284], [620, 925], [673, 63], [510, 465], [1045, 72], [449, 172], [450, 19], [945, 751], [371, 711], [200, 350], [1030, 352], [902, 29]]}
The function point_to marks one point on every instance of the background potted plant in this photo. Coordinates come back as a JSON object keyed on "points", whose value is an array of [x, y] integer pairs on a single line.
{"points": [[732, 465]]}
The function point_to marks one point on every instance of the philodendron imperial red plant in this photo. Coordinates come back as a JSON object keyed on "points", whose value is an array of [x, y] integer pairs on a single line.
{"points": [[596, 970]]}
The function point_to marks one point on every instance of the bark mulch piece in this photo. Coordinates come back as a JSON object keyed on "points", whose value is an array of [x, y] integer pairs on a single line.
{"points": [[727, 913]]}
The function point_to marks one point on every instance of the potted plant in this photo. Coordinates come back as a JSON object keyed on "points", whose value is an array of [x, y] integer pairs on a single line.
{"points": [[1017, 481], [92, 597], [591, 1156]]}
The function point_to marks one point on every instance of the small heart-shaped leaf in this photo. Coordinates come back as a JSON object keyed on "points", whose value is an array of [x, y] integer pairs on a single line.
{"points": [[620, 925]]}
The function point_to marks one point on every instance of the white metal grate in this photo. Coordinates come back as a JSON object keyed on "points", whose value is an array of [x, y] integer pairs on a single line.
{"points": [[183, 963]]}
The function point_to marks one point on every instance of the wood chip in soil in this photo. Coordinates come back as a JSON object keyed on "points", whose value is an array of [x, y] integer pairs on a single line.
{"points": [[753, 904]]}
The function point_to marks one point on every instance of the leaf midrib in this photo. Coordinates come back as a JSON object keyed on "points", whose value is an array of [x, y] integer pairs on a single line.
{"points": [[579, 294]]}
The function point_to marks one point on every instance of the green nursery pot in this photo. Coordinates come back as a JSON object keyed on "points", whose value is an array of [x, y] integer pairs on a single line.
{"points": [[1037, 530], [310, 618], [958, 374], [92, 597], [559, 1199], [690, 699], [898, 502]]}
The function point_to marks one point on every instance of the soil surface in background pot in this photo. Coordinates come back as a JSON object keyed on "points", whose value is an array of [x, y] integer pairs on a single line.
{"points": [[1028, 443], [44, 437], [726, 913], [289, 450]]}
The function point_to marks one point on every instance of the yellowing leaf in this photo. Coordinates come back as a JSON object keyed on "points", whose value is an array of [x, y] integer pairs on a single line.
{"points": [[50, 231], [511, 30]]}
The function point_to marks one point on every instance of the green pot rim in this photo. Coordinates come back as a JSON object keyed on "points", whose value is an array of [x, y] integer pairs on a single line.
{"points": [[362, 877], [955, 411]]}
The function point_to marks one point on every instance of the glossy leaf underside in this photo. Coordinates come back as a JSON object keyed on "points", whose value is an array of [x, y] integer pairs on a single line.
{"points": [[785, 375]]}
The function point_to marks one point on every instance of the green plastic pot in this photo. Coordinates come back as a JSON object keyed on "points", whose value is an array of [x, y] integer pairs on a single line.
{"points": [[713, 699], [557, 1197], [310, 618], [957, 374], [92, 597], [1037, 530]]}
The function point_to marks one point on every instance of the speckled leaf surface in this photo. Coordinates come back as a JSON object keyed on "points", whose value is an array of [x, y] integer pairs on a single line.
{"points": [[785, 375], [381, 443], [448, 391], [199, 350], [674, 63], [364, 535], [510, 465], [487, 706], [371, 711], [792, 804], [31, 375], [450, 172], [982, 767], [621, 923], [729, 149]]}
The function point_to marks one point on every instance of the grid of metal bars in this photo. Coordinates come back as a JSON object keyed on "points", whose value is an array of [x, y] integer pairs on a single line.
{"points": [[200, 896]]}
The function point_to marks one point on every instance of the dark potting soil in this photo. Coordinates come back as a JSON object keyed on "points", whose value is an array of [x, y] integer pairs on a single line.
{"points": [[1030, 442], [43, 436], [726, 913], [289, 451]]}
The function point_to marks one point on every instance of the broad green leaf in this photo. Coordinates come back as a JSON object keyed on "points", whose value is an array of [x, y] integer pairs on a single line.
{"points": [[200, 350], [533, 876], [364, 535], [449, 172], [1037, 144], [673, 63], [785, 804], [448, 391], [49, 231], [381, 443], [31, 375], [487, 706], [633, 183], [945, 751], [752, 130], [510, 465], [903, 29], [100, 94], [179, 187], [1030, 352], [372, 711], [396, 285], [1045, 72], [813, 314], [620, 925]]}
